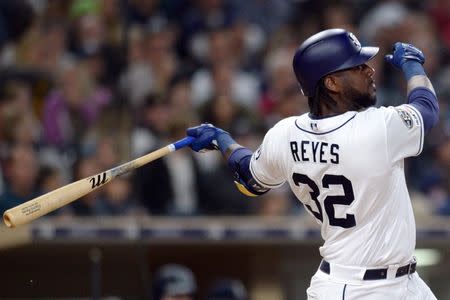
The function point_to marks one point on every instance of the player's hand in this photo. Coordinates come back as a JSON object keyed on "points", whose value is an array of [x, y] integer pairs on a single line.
{"points": [[206, 136], [402, 53]]}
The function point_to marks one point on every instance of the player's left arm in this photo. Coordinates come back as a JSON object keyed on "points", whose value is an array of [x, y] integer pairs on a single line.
{"points": [[420, 91], [209, 137]]}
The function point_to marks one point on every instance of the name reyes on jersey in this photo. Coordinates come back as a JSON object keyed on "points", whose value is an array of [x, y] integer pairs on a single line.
{"points": [[312, 151]]}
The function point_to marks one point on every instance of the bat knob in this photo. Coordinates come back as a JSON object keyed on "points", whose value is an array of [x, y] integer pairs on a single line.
{"points": [[7, 220]]}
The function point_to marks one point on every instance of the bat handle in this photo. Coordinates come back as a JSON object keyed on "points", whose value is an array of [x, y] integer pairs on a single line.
{"points": [[182, 143]]}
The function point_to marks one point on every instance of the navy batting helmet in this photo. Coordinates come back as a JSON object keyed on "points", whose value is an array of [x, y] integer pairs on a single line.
{"points": [[326, 52], [173, 280]]}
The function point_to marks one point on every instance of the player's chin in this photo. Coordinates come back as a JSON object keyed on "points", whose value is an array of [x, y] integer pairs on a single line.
{"points": [[370, 99], [372, 95]]}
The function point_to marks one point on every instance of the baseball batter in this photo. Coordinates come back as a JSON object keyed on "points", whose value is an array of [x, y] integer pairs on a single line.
{"points": [[344, 160]]}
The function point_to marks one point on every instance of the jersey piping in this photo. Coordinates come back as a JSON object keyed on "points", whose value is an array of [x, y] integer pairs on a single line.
{"points": [[321, 133]]}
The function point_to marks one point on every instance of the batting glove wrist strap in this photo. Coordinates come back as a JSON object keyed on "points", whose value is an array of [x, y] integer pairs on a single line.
{"points": [[412, 68]]}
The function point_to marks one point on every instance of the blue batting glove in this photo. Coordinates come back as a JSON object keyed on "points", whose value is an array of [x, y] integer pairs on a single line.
{"points": [[209, 137], [403, 53]]}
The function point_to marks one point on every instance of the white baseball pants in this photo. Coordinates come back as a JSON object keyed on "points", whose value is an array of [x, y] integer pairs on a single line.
{"points": [[337, 287]]}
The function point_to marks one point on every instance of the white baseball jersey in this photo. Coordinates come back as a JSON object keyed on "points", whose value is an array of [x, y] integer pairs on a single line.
{"points": [[348, 171]]}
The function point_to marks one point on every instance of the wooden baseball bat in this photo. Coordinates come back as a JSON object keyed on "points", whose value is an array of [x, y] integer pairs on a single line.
{"points": [[37, 207]]}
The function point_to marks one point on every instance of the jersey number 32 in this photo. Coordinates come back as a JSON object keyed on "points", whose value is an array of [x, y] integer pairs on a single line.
{"points": [[329, 201]]}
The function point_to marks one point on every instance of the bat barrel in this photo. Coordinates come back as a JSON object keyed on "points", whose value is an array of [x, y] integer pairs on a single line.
{"points": [[25, 213], [13, 218], [42, 205]]}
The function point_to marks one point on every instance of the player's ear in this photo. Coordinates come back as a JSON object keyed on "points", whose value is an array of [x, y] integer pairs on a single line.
{"points": [[332, 83]]}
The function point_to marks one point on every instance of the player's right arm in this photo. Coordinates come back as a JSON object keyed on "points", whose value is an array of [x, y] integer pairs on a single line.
{"points": [[407, 124], [420, 91], [209, 137]]}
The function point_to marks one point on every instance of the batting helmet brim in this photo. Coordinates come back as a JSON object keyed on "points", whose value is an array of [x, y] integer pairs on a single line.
{"points": [[366, 54]]}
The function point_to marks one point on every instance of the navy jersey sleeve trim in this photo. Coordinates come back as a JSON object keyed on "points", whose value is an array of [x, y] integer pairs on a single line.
{"points": [[425, 101]]}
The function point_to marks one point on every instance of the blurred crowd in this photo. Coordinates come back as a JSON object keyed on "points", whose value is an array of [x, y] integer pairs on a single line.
{"points": [[91, 84]]}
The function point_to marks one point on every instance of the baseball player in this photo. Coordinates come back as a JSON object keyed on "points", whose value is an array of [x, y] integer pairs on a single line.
{"points": [[344, 160]]}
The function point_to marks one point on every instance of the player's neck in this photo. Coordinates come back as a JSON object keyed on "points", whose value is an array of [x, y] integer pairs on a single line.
{"points": [[329, 111]]}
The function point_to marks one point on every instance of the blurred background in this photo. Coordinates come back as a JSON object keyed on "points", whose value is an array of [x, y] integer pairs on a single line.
{"points": [[86, 85]]}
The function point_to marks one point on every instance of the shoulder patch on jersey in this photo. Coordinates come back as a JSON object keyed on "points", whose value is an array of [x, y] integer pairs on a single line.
{"points": [[406, 117]]}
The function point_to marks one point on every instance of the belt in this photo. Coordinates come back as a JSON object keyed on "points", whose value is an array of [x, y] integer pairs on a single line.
{"points": [[376, 274]]}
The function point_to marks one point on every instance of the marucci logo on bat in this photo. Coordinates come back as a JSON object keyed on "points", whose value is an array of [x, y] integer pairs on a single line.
{"points": [[98, 180]]}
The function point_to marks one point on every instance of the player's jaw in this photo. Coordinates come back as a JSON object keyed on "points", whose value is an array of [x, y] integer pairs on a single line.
{"points": [[360, 100], [362, 91]]}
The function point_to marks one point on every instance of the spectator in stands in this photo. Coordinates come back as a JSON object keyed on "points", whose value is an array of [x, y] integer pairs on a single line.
{"points": [[72, 106], [278, 77], [151, 125], [174, 282], [116, 198], [227, 289], [137, 79], [269, 15], [16, 17], [160, 53], [109, 136], [439, 12], [220, 71], [152, 60], [174, 184], [197, 21], [21, 173], [179, 95], [20, 123], [220, 197], [140, 11], [49, 179], [436, 181], [221, 109]]}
